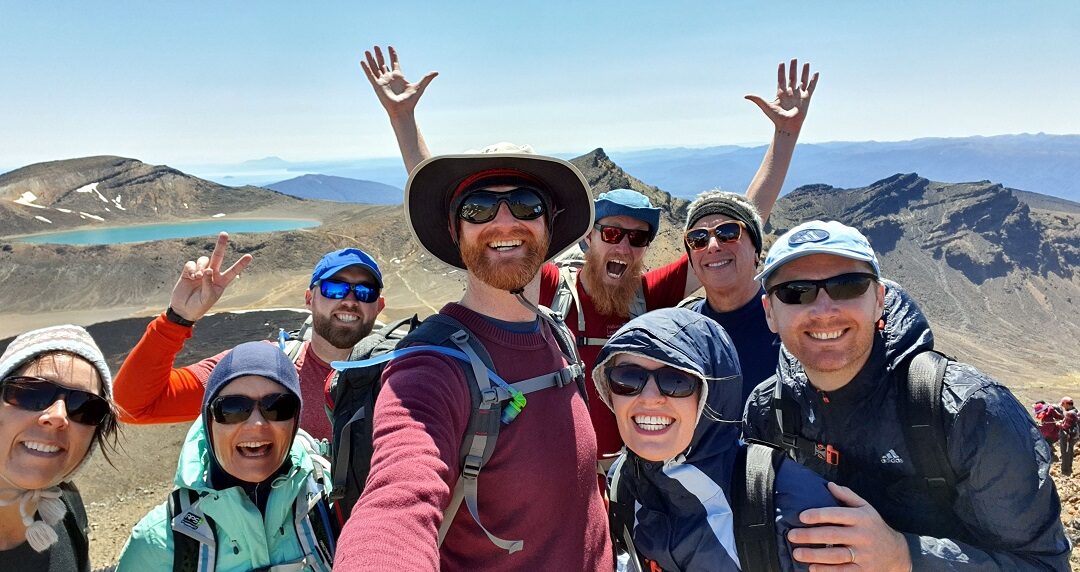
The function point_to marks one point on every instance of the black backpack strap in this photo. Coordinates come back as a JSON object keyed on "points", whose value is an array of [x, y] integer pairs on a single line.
{"points": [[320, 516], [621, 515], [78, 533], [185, 548], [755, 511], [788, 419], [923, 424]]}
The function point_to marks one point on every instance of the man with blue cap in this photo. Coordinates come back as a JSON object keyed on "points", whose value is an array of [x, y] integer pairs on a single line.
{"points": [[941, 467], [344, 296]]}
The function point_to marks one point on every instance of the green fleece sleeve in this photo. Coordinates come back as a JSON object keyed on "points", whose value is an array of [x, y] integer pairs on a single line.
{"points": [[150, 546]]}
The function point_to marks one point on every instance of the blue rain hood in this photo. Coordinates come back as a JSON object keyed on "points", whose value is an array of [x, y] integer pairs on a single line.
{"points": [[689, 341], [682, 506]]}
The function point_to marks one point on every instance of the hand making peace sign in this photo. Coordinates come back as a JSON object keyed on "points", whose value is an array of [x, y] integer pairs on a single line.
{"points": [[202, 282]]}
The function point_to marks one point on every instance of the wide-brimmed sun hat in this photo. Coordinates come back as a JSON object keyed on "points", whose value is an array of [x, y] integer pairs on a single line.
{"points": [[433, 183]]}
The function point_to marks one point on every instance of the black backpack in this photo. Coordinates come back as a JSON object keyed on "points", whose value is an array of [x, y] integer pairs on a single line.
{"points": [[751, 504], [349, 404], [353, 448]]}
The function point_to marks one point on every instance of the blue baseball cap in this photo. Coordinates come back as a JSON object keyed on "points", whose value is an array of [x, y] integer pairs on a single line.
{"points": [[338, 260], [818, 237], [629, 203]]}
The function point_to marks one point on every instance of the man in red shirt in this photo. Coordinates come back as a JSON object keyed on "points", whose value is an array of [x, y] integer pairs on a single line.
{"points": [[613, 275], [344, 297], [537, 507]]}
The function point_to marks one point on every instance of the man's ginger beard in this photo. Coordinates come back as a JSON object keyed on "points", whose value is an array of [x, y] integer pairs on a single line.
{"points": [[610, 300], [509, 274]]}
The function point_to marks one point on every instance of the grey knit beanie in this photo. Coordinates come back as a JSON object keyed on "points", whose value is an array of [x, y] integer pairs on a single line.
{"points": [[729, 204]]}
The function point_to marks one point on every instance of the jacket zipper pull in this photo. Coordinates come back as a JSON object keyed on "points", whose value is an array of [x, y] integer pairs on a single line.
{"points": [[824, 395]]}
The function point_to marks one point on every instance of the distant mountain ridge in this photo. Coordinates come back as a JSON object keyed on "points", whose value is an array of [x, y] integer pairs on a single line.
{"points": [[116, 191], [1040, 163], [339, 189]]}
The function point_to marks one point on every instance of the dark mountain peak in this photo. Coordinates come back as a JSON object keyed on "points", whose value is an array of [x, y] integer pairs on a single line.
{"points": [[981, 229]]}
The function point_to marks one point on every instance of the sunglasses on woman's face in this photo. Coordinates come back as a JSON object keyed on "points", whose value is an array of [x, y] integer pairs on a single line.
{"points": [[339, 289], [232, 409], [698, 238], [37, 394], [842, 287], [615, 234], [479, 207], [630, 379]]}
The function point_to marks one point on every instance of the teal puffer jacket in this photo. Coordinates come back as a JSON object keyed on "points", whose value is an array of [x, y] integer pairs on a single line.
{"points": [[245, 538]]}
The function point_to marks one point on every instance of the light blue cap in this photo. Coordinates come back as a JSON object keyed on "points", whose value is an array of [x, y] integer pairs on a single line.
{"points": [[629, 203], [818, 237]]}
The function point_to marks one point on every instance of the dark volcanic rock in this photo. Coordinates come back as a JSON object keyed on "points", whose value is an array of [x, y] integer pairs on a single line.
{"points": [[981, 229]]}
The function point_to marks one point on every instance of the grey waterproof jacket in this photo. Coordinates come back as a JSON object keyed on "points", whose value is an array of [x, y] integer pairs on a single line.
{"points": [[1006, 512]]}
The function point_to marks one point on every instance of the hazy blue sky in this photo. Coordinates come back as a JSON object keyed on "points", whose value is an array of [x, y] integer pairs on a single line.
{"points": [[228, 81]]}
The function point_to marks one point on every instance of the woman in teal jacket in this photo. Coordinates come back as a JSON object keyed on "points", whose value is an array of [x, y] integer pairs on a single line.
{"points": [[249, 496]]}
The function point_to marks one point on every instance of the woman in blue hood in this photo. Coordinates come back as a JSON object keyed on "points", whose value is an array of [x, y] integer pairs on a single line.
{"points": [[673, 379]]}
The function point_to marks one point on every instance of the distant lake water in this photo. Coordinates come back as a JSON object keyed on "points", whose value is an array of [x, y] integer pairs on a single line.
{"points": [[148, 232]]}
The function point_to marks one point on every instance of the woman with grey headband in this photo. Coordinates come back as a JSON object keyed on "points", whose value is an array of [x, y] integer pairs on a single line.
{"points": [[55, 410]]}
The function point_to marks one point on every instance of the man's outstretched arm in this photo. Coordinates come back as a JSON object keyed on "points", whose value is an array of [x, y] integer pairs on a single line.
{"points": [[399, 97], [787, 113]]}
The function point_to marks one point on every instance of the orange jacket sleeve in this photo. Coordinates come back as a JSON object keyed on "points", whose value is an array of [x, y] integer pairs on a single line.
{"points": [[148, 389]]}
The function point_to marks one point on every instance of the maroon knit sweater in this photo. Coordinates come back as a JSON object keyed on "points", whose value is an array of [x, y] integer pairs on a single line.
{"points": [[539, 486]]}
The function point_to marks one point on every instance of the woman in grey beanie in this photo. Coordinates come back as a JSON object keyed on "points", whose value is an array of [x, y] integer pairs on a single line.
{"points": [[55, 410]]}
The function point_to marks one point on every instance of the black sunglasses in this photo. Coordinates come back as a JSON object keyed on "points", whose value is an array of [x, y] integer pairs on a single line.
{"points": [[630, 379], [843, 287], [478, 207], [729, 231], [232, 409], [615, 234], [36, 394], [339, 289]]}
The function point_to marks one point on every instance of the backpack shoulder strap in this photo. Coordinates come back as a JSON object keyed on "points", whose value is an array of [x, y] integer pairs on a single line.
{"points": [[314, 521], [923, 424], [689, 302], [755, 511], [80, 542], [637, 305], [186, 547], [566, 293], [621, 515], [484, 421]]}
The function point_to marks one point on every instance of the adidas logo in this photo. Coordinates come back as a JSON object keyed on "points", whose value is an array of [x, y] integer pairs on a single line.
{"points": [[891, 458]]}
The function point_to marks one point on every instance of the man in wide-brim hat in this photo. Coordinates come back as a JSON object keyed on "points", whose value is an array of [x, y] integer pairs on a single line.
{"points": [[498, 214]]}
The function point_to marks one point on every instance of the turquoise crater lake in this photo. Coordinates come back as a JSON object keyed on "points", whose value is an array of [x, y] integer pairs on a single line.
{"points": [[148, 232]]}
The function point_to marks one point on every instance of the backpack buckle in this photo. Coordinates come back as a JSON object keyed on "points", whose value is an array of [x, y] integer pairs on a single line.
{"points": [[490, 396], [472, 465], [827, 453]]}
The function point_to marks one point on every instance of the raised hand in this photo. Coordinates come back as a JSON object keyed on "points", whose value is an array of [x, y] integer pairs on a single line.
{"points": [[202, 282], [854, 537], [788, 110], [395, 92]]}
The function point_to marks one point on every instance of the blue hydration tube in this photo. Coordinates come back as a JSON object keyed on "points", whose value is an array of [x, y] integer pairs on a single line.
{"points": [[510, 411]]}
